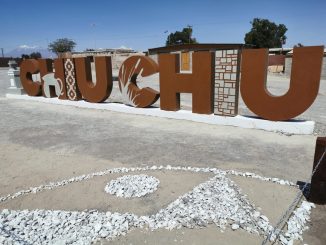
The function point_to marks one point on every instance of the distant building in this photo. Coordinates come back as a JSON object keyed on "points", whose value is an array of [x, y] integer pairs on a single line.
{"points": [[282, 51], [276, 59], [102, 52], [4, 61], [117, 55], [288, 64]]}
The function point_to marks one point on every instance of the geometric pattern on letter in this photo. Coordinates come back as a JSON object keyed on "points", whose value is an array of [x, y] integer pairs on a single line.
{"points": [[70, 80], [226, 94]]}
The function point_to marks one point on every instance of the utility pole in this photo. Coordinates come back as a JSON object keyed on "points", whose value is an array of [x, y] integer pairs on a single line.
{"points": [[2, 53]]}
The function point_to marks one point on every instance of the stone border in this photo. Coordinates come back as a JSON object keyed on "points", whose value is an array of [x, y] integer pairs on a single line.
{"points": [[287, 127], [83, 177]]}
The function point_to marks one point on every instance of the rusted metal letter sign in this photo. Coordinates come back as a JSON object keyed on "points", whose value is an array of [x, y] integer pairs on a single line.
{"points": [[72, 80]]}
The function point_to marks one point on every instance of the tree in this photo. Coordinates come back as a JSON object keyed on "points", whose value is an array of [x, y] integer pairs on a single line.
{"points": [[266, 34], [298, 45], [181, 37], [35, 55], [25, 56], [62, 45]]}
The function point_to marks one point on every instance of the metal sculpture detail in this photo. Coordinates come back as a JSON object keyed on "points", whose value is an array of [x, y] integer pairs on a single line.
{"points": [[128, 73], [59, 74], [49, 83], [72, 88]]}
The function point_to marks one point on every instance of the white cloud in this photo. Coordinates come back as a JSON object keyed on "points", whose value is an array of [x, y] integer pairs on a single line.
{"points": [[24, 46], [124, 47]]}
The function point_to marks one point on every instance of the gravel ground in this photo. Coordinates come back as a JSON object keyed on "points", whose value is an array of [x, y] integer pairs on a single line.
{"points": [[129, 186]]}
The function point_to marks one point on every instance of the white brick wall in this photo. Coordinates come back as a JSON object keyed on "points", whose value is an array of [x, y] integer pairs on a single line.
{"points": [[226, 82]]}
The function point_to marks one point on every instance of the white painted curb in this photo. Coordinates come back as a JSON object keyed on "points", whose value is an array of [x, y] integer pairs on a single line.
{"points": [[289, 127]]}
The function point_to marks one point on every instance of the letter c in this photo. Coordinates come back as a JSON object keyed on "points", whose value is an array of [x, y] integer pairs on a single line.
{"points": [[27, 69], [130, 69]]}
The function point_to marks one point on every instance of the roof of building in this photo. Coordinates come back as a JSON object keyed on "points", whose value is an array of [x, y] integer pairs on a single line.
{"points": [[280, 49], [197, 47]]}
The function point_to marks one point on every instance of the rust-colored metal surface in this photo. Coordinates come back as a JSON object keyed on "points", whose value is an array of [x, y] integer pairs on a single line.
{"points": [[101, 90], [45, 68], [199, 82], [27, 69], [318, 180], [129, 70], [304, 83], [60, 75]]}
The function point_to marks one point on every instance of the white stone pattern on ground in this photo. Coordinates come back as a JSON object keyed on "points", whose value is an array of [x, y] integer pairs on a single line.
{"points": [[295, 225], [217, 201], [62, 227], [132, 185], [83, 177]]}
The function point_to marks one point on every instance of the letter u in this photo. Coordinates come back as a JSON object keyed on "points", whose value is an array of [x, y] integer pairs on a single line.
{"points": [[304, 83], [100, 91]]}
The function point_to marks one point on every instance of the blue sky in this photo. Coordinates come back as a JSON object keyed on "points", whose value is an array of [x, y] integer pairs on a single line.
{"points": [[141, 24]]}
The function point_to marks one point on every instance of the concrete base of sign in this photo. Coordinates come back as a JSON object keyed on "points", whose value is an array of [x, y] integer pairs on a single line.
{"points": [[287, 127]]}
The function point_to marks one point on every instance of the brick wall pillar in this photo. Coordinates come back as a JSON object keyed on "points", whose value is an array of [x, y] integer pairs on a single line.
{"points": [[227, 71]]}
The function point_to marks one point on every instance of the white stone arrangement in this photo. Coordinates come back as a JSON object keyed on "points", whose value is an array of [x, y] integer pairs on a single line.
{"points": [[217, 201], [132, 186]]}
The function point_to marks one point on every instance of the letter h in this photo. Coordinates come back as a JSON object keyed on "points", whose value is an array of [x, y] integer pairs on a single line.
{"points": [[199, 82]]}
